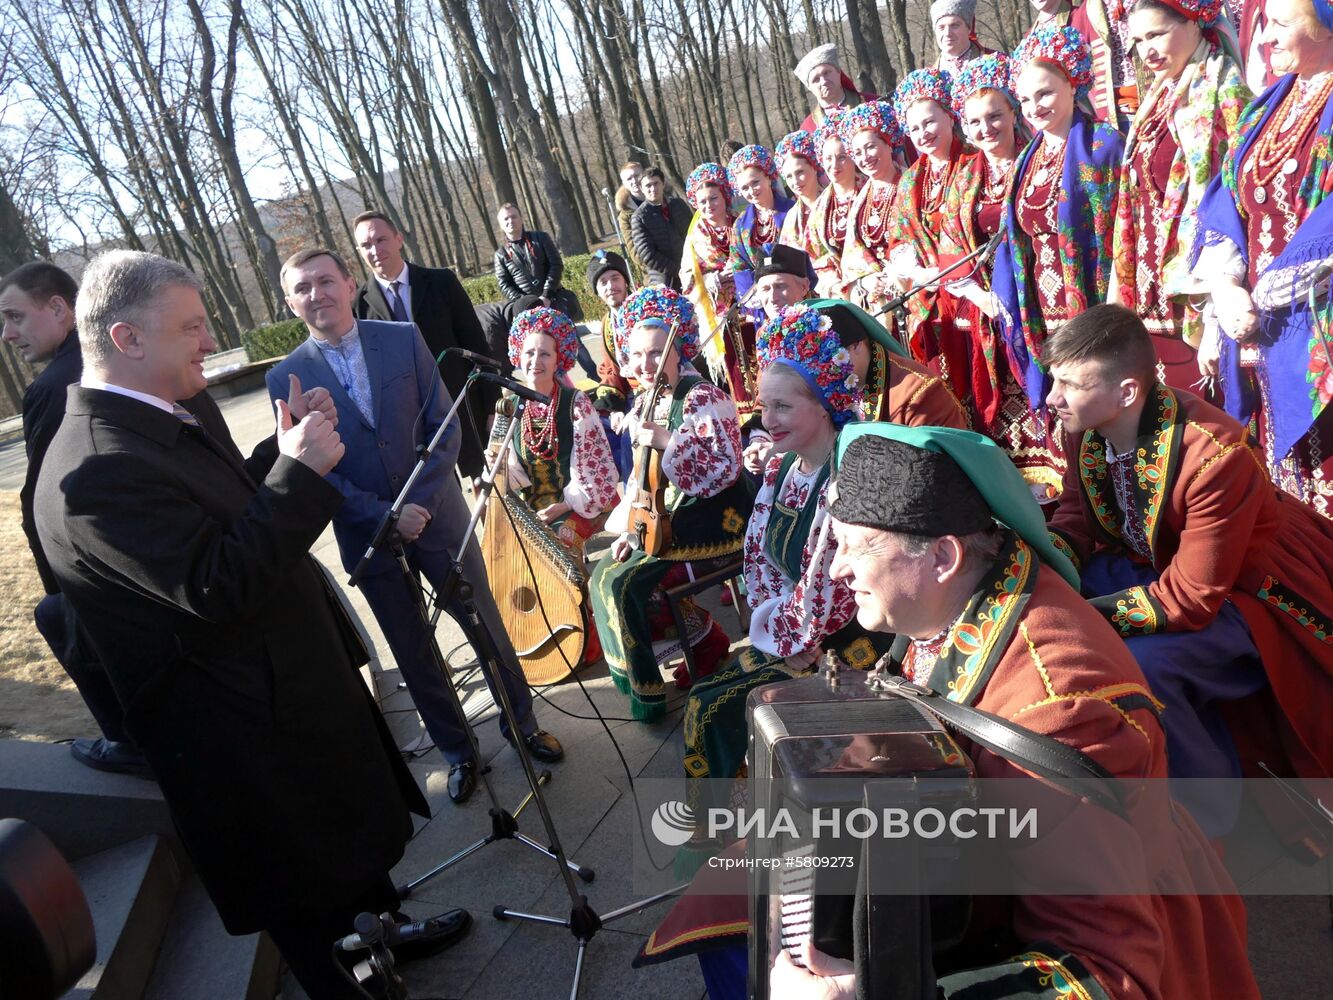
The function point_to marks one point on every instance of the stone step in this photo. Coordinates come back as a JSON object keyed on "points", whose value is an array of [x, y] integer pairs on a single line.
{"points": [[131, 890], [201, 961]]}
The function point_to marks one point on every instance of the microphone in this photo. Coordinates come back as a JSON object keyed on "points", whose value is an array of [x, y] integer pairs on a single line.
{"points": [[480, 360], [382, 929], [514, 386], [606, 192]]}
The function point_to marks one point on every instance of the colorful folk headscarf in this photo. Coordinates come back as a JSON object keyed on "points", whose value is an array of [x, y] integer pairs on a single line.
{"points": [[702, 176], [803, 339], [923, 85], [799, 143], [873, 116], [555, 325], [989, 72], [830, 129], [753, 155], [1064, 47], [663, 306], [1206, 12]]}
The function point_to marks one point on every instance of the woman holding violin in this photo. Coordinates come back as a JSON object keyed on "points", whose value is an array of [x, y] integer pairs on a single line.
{"points": [[685, 503]]}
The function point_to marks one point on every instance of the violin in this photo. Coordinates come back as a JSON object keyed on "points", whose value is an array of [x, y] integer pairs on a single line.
{"points": [[649, 519]]}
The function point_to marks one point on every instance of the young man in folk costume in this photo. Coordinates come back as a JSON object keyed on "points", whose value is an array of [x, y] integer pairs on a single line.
{"points": [[820, 72], [941, 543], [1214, 577], [609, 277], [697, 433], [955, 26]]}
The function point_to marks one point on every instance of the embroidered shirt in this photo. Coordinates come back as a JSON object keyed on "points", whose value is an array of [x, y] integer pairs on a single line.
{"points": [[348, 361]]}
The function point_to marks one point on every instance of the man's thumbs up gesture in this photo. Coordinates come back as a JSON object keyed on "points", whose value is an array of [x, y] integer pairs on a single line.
{"points": [[306, 428]]}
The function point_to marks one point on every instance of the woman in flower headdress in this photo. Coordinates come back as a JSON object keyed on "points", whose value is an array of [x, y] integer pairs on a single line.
{"points": [[798, 164], [1263, 253], [1182, 131], [826, 232], [561, 463], [1059, 215], [924, 105], [808, 389], [703, 270], [696, 429], [987, 108], [754, 176], [871, 133]]}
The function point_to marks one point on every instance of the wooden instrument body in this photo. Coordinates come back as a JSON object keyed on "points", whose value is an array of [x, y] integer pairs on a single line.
{"points": [[649, 519], [539, 587]]}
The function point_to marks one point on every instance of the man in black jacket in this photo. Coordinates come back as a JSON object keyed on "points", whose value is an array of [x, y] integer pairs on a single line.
{"points": [[37, 308], [434, 299], [528, 263], [658, 229], [190, 570]]}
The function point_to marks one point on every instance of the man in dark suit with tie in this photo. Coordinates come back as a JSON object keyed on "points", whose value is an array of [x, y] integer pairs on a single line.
{"points": [[390, 399], [37, 309], [434, 299], [190, 571]]}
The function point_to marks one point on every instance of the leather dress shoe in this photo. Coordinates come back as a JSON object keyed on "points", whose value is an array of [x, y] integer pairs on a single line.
{"points": [[462, 781], [109, 755], [544, 747], [452, 927]]}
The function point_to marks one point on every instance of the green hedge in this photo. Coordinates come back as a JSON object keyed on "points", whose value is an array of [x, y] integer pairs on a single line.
{"points": [[273, 341], [486, 289]]}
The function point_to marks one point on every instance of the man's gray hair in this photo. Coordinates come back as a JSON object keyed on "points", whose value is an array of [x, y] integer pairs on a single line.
{"points": [[118, 286]]}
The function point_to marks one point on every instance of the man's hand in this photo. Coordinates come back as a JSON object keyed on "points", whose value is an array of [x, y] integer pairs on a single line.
{"points": [[312, 441], [823, 978], [412, 521], [1235, 311], [621, 548], [314, 400], [655, 435]]}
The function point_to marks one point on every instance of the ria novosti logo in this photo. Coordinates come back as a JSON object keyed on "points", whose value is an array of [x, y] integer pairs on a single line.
{"points": [[673, 823]]}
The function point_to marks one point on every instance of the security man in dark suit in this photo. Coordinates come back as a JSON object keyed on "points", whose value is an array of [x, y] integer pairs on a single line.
{"points": [[37, 309], [189, 568], [434, 299]]}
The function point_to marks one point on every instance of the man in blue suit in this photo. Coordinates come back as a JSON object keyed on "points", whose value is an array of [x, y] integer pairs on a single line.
{"points": [[381, 377]]}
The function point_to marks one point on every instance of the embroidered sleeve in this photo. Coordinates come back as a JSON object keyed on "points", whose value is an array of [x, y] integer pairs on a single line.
{"points": [[1059, 542], [792, 617], [1132, 612], [1045, 974], [1072, 527], [592, 471], [704, 455]]}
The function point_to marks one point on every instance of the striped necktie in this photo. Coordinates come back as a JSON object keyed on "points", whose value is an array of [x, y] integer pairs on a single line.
{"points": [[186, 417]]}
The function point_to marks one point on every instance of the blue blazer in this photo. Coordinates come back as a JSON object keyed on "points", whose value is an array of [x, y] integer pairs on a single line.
{"points": [[380, 457]]}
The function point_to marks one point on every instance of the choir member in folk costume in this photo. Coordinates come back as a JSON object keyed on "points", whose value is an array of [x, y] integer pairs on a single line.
{"points": [[1055, 260], [924, 106], [561, 463], [754, 176], [798, 164], [826, 232], [1181, 134], [808, 389], [985, 104], [697, 432], [955, 24], [704, 276], [1114, 84], [1264, 245], [871, 133], [820, 72], [1213, 576]]}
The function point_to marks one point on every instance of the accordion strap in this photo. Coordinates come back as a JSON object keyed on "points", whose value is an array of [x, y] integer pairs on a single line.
{"points": [[1065, 766]]}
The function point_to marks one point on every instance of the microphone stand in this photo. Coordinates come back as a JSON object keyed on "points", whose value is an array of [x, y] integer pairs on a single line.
{"points": [[895, 304], [504, 824]]}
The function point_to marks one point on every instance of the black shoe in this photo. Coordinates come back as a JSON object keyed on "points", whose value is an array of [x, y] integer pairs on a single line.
{"points": [[462, 781], [450, 928], [544, 747], [108, 755]]}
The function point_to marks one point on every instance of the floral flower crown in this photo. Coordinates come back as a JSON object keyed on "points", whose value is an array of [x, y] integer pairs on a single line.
{"points": [[1063, 46], [804, 340], [799, 143], [923, 85], [751, 156], [667, 306], [702, 176], [875, 116], [988, 72], [831, 128], [555, 325]]}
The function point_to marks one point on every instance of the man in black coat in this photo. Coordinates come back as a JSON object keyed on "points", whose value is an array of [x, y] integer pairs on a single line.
{"points": [[189, 568], [528, 263], [37, 309], [658, 228], [434, 299]]}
